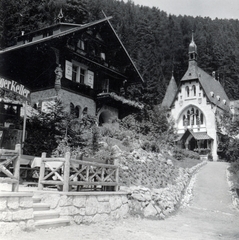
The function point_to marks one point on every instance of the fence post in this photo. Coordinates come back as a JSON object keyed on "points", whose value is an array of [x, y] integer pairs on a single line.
{"points": [[66, 172], [117, 179], [42, 171], [16, 168]]}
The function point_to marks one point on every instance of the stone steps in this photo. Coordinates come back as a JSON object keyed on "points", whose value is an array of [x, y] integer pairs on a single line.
{"points": [[36, 199], [50, 214], [51, 223], [45, 217], [40, 206]]}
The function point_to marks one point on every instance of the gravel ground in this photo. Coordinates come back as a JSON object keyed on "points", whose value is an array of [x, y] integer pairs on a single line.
{"points": [[207, 213]]}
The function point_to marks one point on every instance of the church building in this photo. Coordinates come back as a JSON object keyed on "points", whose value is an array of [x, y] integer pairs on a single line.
{"points": [[195, 105]]}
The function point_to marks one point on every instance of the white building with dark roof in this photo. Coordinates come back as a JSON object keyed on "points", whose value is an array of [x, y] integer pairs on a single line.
{"points": [[194, 106]]}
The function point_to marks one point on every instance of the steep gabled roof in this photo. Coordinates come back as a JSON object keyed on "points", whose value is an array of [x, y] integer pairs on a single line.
{"points": [[196, 135], [71, 28], [191, 73], [170, 93], [213, 90], [66, 29]]}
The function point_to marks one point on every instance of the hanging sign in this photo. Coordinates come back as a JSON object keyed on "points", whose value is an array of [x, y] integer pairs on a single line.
{"points": [[90, 79], [15, 87], [68, 70]]}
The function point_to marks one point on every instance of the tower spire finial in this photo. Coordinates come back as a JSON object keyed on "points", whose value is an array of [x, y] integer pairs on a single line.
{"points": [[60, 15]]}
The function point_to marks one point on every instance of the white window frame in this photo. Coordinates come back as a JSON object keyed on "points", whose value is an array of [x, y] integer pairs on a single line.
{"points": [[79, 68]]}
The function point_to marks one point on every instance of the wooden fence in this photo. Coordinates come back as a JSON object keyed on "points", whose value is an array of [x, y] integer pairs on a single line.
{"points": [[8, 157], [67, 173]]}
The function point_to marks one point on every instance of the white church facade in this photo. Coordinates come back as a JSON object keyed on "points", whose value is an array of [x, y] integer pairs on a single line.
{"points": [[195, 105]]}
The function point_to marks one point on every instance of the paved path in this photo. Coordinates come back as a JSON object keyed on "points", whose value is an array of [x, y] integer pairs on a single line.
{"points": [[209, 215]]}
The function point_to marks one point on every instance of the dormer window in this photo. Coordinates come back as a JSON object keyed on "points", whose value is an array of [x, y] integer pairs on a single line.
{"points": [[81, 44], [218, 98], [212, 94], [224, 101]]}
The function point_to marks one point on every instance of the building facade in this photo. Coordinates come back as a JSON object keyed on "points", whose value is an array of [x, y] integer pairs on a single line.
{"points": [[195, 105], [86, 66]]}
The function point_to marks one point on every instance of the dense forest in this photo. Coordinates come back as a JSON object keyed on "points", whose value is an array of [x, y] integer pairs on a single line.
{"points": [[157, 42]]}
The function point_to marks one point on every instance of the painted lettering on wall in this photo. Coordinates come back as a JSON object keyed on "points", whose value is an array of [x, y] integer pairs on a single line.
{"points": [[14, 87]]}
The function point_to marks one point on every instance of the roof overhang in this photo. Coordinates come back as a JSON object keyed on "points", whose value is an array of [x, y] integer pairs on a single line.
{"points": [[114, 100], [196, 135]]}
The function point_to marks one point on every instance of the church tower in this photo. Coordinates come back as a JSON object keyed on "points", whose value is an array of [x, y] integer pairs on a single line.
{"points": [[192, 72], [194, 107]]}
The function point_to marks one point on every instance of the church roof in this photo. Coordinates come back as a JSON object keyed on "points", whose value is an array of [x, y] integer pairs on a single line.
{"points": [[170, 93], [213, 90]]}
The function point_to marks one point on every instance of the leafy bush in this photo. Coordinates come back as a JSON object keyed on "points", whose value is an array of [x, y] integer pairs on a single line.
{"points": [[151, 146], [126, 141], [57, 131], [234, 167], [151, 121], [109, 130], [181, 154]]}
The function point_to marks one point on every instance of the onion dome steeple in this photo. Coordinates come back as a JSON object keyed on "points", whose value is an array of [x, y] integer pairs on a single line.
{"points": [[192, 50], [192, 72]]}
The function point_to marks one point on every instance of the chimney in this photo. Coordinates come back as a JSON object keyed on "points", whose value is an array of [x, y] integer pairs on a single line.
{"points": [[214, 75]]}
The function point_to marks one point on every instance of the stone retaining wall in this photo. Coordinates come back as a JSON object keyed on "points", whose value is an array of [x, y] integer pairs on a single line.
{"points": [[16, 209], [88, 207], [16, 212], [159, 203], [233, 187]]}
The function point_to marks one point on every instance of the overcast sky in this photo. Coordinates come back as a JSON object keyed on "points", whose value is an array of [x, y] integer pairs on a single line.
{"points": [[204, 8]]}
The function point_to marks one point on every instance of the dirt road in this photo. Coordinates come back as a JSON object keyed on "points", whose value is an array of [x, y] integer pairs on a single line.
{"points": [[209, 215]]}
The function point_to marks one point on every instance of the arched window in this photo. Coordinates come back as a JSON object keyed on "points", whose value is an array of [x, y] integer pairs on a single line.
{"points": [[192, 117], [187, 91], [201, 118], [72, 108], [85, 111], [77, 111], [185, 122], [197, 118], [188, 117], [194, 90]]}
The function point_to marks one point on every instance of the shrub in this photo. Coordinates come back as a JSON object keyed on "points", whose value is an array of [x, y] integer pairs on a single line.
{"points": [[109, 130], [181, 154], [234, 167], [126, 141]]}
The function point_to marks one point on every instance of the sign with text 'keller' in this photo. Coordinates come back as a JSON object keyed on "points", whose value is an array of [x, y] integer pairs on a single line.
{"points": [[15, 87]]}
